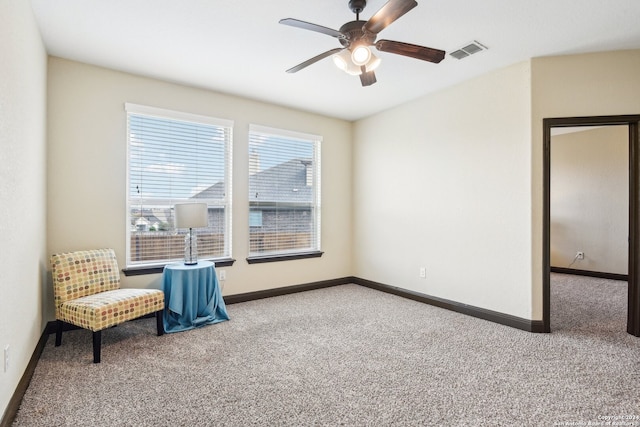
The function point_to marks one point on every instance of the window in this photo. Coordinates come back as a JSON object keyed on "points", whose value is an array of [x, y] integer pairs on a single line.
{"points": [[174, 158], [284, 192]]}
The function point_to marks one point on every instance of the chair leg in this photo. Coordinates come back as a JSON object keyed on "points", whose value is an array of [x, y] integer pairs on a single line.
{"points": [[59, 325], [159, 322], [97, 338]]}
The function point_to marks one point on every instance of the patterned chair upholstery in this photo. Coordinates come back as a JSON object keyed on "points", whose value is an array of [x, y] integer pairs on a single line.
{"points": [[86, 289]]}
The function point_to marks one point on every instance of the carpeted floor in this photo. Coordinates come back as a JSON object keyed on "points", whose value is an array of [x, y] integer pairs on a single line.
{"points": [[351, 356]]}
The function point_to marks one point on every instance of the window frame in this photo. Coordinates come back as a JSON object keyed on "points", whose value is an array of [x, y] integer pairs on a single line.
{"points": [[156, 266], [291, 254]]}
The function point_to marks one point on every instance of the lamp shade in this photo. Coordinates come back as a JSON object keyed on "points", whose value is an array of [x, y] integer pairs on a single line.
{"points": [[191, 215]]}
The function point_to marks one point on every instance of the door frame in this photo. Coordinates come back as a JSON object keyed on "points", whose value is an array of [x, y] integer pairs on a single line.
{"points": [[633, 122]]}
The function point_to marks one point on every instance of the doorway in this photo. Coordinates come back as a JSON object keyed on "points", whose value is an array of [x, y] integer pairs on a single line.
{"points": [[633, 123]]}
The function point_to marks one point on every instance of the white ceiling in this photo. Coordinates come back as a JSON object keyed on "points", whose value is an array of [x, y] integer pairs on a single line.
{"points": [[238, 47]]}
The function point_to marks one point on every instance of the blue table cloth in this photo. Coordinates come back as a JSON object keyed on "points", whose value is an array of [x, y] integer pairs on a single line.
{"points": [[192, 296]]}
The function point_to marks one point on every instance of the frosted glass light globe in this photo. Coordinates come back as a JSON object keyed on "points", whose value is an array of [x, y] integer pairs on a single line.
{"points": [[360, 55], [340, 62]]}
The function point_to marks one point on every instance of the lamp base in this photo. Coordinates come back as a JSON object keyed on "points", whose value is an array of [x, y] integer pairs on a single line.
{"points": [[190, 248]]}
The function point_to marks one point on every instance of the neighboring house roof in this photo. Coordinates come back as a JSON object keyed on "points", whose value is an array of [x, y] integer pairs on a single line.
{"points": [[148, 215], [291, 179]]}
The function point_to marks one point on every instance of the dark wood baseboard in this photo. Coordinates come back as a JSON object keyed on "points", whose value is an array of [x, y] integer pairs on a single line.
{"points": [[14, 404], [469, 310], [268, 293], [481, 313], [598, 274]]}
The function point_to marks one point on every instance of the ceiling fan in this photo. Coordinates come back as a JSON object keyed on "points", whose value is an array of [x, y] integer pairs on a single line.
{"points": [[357, 37]]}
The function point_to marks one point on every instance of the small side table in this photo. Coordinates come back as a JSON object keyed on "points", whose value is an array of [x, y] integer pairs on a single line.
{"points": [[192, 296]]}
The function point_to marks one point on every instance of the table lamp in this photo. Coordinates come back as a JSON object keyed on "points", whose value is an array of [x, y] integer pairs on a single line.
{"points": [[191, 215]]}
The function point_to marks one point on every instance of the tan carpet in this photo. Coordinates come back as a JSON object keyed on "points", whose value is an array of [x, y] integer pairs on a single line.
{"points": [[350, 356]]}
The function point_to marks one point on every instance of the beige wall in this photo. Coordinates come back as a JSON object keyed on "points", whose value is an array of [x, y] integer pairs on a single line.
{"points": [[590, 199], [597, 84], [87, 170], [453, 181], [444, 183], [22, 190]]}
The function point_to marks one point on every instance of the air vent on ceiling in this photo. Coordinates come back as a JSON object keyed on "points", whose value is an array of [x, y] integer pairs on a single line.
{"points": [[469, 49]]}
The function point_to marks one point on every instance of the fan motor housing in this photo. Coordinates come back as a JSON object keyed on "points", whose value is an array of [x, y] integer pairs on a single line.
{"points": [[354, 33]]}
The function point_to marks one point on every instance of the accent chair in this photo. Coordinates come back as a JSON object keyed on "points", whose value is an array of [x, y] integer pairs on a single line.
{"points": [[87, 294]]}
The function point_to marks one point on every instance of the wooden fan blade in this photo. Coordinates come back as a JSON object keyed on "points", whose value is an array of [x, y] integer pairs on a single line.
{"points": [[388, 13], [312, 27], [411, 50], [314, 60], [367, 78]]}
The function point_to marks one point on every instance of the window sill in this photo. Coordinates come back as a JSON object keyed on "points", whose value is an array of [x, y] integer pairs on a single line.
{"points": [[156, 269], [287, 257]]}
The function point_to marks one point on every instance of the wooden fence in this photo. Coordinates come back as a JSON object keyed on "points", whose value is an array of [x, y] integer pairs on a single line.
{"points": [[278, 242], [151, 246]]}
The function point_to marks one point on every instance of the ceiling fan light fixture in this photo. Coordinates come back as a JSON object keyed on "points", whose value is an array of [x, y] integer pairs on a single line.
{"points": [[361, 55], [340, 61], [353, 69], [344, 62], [373, 63], [355, 57]]}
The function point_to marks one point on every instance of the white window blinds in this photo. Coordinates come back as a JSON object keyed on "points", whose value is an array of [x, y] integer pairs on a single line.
{"points": [[174, 158], [284, 192]]}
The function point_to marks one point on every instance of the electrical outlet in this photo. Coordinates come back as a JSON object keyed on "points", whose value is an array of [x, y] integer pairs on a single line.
{"points": [[222, 274], [423, 272], [6, 358], [580, 255]]}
